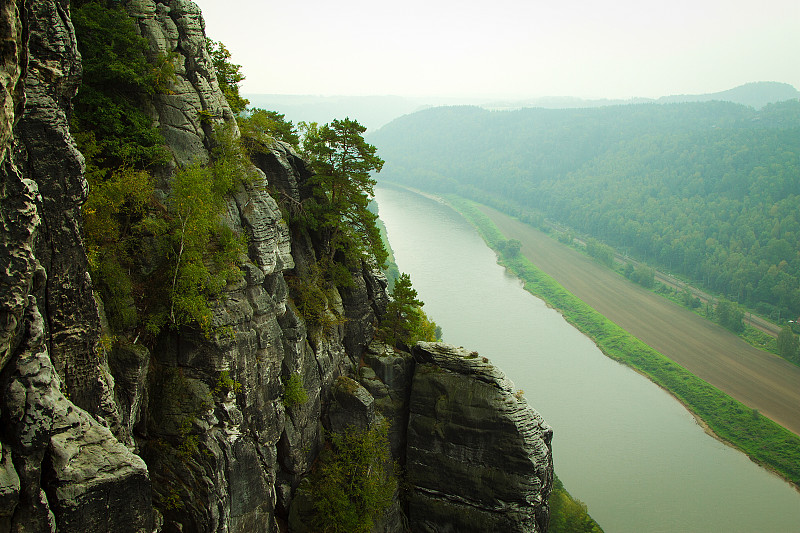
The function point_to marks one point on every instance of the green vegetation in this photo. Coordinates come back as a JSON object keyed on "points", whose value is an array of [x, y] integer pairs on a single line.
{"points": [[354, 481], [707, 190], [643, 275], [568, 515], [312, 292], [196, 205], [510, 247], [109, 122], [159, 264], [157, 260], [226, 384], [229, 75], [335, 216], [405, 322], [788, 345], [159, 257], [294, 393], [729, 316], [342, 189], [602, 252], [259, 127], [764, 441]]}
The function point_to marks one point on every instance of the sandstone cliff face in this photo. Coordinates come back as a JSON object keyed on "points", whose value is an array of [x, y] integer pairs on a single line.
{"points": [[229, 458], [477, 457], [61, 468], [192, 434]]}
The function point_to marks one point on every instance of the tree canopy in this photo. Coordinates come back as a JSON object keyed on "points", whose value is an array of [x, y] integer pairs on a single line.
{"points": [[342, 188], [229, 75], [708, 190], [109, 122], [404, 321]]}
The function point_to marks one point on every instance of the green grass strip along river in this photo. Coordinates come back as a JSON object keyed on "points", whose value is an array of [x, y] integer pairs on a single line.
{"points": [[764, 441]]}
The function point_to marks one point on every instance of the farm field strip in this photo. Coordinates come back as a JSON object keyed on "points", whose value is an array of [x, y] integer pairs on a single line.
{"points": [[756, 378]]}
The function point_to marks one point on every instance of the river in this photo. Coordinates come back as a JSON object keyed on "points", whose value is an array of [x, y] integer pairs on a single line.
{"points": [[621, 444]]}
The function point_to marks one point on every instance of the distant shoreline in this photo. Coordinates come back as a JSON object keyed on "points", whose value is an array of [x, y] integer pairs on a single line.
{"points": [[765, 442]]}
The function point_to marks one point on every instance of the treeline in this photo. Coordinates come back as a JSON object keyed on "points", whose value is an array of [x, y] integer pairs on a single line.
{"points": [[764, 441], [708, 190]]}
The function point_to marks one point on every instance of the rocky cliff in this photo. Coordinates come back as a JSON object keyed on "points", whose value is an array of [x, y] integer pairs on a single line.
{"points": [[192, 433]]}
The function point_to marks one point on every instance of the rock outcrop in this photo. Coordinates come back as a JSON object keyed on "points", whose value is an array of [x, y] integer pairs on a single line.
{"points": [[62, 468], [477, 457], [192, 433]]}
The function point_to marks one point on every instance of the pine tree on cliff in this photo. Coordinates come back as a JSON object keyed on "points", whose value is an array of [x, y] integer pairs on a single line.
{"points": [[405, 321], [342, 188]]}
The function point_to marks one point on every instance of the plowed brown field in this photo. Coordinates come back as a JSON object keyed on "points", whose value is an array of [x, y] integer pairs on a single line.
{"points": [[756, 378]]}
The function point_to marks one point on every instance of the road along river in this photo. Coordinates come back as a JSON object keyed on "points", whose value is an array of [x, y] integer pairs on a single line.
{"points": [[622, 445]]}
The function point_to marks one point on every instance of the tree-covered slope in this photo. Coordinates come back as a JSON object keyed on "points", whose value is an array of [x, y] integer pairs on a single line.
{"points": [[709, 189]]}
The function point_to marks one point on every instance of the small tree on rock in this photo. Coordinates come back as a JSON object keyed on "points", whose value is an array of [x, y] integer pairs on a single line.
{"points": [[404, 320], [342, 188]]}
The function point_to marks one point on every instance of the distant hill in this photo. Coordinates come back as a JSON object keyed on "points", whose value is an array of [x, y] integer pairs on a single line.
{"points": [[757, 94], [706, 189], [371, 111], [376, 111]]}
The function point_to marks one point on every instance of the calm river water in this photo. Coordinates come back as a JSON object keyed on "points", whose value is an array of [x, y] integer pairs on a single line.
{"points": [[622, 445]]}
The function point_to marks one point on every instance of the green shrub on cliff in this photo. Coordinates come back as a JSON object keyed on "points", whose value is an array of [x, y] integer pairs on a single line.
{"points": [[109, 122], [229, 75], [354, 481], [202, 254], [405, 321], [156, 259], [294, 393], [258, 126], [568, 515]]}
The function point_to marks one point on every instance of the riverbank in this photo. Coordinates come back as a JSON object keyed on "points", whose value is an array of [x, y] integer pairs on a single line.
{"points": [[764, 441]]}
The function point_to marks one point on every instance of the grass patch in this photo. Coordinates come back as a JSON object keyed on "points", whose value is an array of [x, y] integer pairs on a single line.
{"points": [[764, 441]]}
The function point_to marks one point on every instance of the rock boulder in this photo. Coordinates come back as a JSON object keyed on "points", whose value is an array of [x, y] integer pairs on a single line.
{"points": [[478, 456]]}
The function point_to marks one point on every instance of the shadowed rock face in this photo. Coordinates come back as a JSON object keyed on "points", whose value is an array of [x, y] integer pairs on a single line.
{"points": [[193, 434], [61, 468], [478, 456]]}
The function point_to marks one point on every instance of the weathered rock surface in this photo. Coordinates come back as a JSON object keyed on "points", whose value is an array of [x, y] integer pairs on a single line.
{"points": [[478, 456], [192, 433], [229, 458], [352, 408], [187, 114], [74, 475], [387, 375], [46, 154], [61, 468], [19, 217]]}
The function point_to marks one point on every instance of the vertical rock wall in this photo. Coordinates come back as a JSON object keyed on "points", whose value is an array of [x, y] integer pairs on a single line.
{"points": [[61, 466], [192, 434], [478, 456], [229, 458]]}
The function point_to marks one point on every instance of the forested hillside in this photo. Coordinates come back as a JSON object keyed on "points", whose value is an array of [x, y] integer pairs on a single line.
{"points": [[710, 190]]}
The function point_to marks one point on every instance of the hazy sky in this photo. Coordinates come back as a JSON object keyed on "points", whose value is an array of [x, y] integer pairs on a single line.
{"points": [[525, 48]]}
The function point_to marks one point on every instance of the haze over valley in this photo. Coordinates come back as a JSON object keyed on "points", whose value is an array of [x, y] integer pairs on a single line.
{"points": [[431, 266]]}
